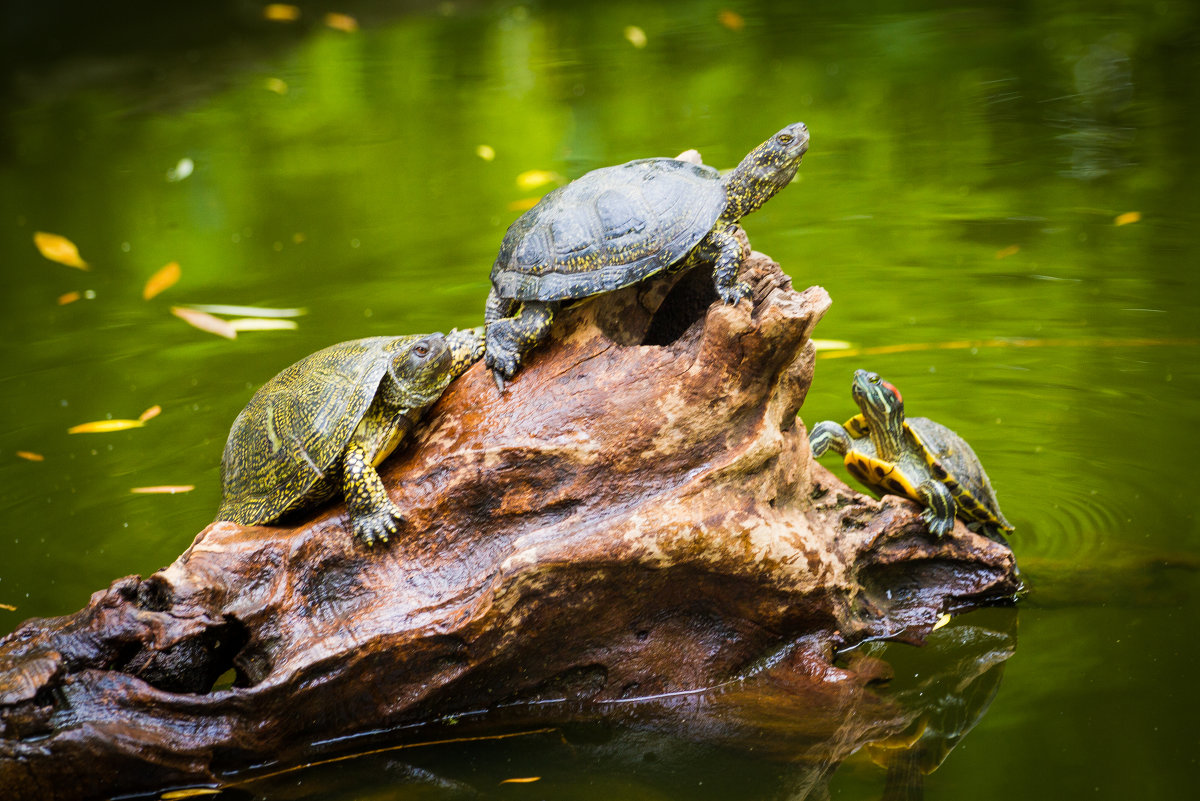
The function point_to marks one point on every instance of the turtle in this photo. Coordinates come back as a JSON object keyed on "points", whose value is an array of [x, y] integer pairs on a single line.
{"points": [[915, 457], [616, 226], [321, 426]]}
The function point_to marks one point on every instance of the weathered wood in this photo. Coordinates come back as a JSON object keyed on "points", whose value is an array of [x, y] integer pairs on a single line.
{"points": [[638, 514]]}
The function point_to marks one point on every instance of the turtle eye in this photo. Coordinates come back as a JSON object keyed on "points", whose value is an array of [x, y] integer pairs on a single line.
{"points": [[785, 138], [421, 350], [873, 378]]}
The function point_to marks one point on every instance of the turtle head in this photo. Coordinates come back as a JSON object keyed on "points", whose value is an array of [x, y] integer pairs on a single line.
{"points": [[880, 402], [420, 368], [766, 169], [423, 366]]}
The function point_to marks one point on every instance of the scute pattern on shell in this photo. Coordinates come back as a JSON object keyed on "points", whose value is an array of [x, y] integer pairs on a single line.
{"points": [[608, 229], [296, 427], [954, 462]]}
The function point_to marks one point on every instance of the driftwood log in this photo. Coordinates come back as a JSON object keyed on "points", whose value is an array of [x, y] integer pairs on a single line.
{"points": [[638, 515]]}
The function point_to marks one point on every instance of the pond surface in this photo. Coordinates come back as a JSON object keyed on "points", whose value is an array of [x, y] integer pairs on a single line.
{"points": [[1002, 201]]}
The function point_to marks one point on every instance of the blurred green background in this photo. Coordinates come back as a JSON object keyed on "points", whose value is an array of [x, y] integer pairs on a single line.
{"points": [[968, 170]]}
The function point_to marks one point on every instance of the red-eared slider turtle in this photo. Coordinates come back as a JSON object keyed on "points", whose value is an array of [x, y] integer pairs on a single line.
{"points": [[321, 426], [915, 457], [618, 225]]}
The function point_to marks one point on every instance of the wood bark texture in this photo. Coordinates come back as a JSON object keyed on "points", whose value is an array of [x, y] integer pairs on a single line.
{"points": [[638, 514]]}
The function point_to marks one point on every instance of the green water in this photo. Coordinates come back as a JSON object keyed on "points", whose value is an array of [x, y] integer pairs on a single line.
{"points": [[967, 167]]}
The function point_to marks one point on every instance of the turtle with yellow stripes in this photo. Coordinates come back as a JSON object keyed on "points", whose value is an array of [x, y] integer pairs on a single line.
{"points": [[914, 457]]}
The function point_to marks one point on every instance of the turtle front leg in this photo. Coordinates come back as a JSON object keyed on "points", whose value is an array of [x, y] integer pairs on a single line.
{"points": [[510, 338], [721, 239], [373, 516], [828, 434], [939, 507]]}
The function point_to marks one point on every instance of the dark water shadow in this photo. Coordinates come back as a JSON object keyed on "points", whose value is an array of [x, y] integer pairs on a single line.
{"points": [[780, 734]]}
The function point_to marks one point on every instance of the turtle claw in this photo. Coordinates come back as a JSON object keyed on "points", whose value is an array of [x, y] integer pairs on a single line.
{"points": [[503, 365], [377, 526], [734, 294], [938, 526]]}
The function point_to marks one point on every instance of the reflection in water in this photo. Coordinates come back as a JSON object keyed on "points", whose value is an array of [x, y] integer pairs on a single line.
{"points": [[1100, 130], [949, 702], [902, 708]]}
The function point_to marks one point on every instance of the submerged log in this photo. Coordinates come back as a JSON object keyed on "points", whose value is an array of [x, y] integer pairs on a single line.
{"points": [[638, 514]]}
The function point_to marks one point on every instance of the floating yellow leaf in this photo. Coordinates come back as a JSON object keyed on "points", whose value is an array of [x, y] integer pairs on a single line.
{"points": [[731, 20], [941, 621], [246, 311], [205, 322], [68, 297], [485, 152], [281, 12], [165, 489], [523, 780], [277, 85], [172, 795], [341, 22], [1127, 218], [60, 249], [105, 426], [9, 607], [532, 179], [524, 204], [165, 278], [31, 456], [636, 36], [151, 413], [1011, 250], [262, 324]]}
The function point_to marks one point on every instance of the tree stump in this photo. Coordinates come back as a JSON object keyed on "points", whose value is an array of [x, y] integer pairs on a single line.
{"points": [[637, 515]]}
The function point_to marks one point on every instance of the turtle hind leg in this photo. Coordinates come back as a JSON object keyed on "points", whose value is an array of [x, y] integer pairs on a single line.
{"points": [[728, 248], [939, 507], [992, 532], [373, 516], [510, 338], [828, 434]]}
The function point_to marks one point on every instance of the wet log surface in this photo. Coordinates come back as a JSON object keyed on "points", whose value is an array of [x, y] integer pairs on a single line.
{"points": [[638, 515]]}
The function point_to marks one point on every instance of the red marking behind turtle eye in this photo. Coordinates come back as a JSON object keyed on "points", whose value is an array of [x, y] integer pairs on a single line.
{"points": [[895, 391]]}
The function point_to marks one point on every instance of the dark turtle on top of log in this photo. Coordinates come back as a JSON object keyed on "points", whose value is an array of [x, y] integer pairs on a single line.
{"points": [[914, 458], [323, 424], [619, 225]]}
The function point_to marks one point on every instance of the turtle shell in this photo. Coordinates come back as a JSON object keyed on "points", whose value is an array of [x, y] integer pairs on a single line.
{"points": [[951, 460], [608, 229], [296, 427]]}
